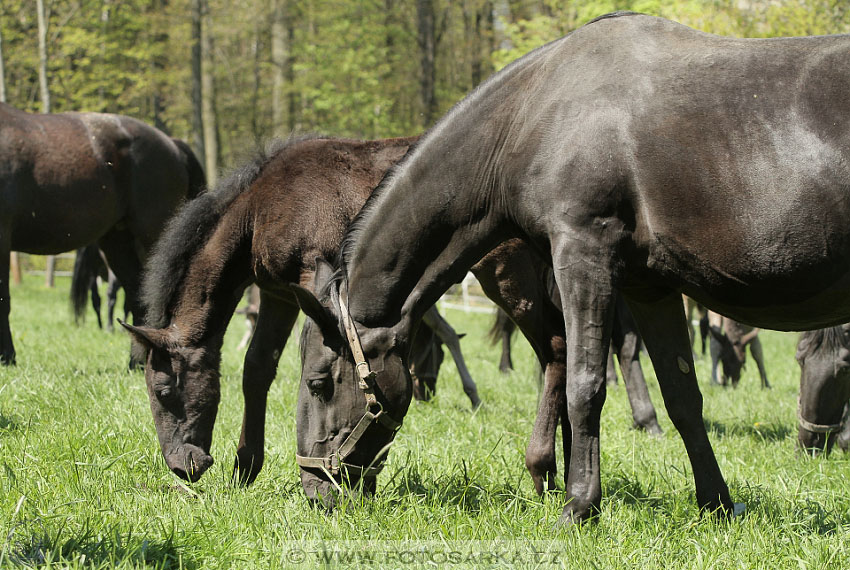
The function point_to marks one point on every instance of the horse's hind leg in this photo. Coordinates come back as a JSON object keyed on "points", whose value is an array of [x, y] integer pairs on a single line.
{"points": [[274, 323], [758, 356], [7, 349], [119, 248], [111, 298], [447, 334], [665, 334], [843, 438], [95, 301], [627, 342]]}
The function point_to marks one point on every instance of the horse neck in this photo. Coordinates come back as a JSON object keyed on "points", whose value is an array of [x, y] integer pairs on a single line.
{"points": [[419, 237], [215, 280]]}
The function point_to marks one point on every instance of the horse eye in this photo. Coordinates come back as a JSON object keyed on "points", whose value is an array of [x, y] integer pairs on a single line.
{"points": [[316, 385], [165, 393]]}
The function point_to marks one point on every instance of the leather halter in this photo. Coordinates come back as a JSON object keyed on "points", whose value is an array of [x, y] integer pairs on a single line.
{"points": [[814, 428], [335, 463]]}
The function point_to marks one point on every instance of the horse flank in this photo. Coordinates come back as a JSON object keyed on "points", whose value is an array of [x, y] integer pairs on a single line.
{"points": [[191, 227]]}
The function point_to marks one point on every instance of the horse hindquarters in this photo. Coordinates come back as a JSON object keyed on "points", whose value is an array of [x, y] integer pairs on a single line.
{"points": [[662, 325]]}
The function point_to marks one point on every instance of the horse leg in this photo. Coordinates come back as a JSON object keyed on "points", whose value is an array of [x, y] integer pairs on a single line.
{"points": [[95, 301], [662, 325], [506, 363], [584, 275], [274, 323], [119, 248], [627, 342], [843, 438], [715, 348], [111, 298], [449, 337], [758, 356], [540, 459], [7, 349]]}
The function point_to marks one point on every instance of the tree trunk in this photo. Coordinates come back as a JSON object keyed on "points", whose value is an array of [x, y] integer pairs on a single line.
{"points": [[158, 64], [280, 64], [45, 103], [210, 118], [2, 72], [427, 35], [197, 88]]}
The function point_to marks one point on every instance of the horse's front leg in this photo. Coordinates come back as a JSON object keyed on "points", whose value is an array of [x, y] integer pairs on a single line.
{"points": [[662, 325], [450, 338], [758, 356], [274, 323], [585, 277], [7, 349]]}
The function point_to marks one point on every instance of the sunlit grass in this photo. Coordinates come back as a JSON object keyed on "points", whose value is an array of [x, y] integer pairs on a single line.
{"points": [[82, 482]]}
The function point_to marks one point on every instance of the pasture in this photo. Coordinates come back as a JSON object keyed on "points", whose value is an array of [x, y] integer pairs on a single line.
{"points": [[83, 484]]}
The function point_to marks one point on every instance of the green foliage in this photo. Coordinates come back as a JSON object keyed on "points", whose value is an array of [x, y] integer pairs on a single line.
{"points": [[356, 64]]}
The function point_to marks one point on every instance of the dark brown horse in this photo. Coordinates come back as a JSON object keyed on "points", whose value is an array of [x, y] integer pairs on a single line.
{"points": [[71, 179], [265, 224], [823, 408], [621, 152]]}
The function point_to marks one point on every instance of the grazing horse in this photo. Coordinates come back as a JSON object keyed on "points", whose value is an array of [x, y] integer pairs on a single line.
{"points": [[642, 158], [71, 179], [729, 342], [265, 224], [88, 266], [823, 408]]}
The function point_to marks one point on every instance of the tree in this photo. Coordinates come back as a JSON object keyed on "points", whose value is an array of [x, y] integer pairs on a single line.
{"points": [[281, 64], [208, 109], [197, 80], [45, 106], [427, 34]]}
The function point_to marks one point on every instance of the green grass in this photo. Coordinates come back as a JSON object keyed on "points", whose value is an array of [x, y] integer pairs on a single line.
{"points": [[82, 482]]}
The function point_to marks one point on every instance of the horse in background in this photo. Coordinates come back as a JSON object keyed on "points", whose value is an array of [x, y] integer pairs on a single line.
{"points": [[823, 410], [729, 342], [72, 179], [89, 266]]}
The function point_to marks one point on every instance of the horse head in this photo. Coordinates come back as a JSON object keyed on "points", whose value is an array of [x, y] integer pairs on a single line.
{"points": [[355, 389], [733, 341], [183, 388], [824, 358]]}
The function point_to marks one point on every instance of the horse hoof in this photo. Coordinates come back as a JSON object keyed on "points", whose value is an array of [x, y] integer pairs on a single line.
{"points": [[738, 510], [577, 517]]}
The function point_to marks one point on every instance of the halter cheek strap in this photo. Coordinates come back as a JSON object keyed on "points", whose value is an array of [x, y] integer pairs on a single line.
{"points": [[335, 463]]}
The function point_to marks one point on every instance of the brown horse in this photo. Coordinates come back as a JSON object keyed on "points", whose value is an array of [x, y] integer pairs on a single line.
{"points": [[621, 152], [265, 224], [72, 179], [729, 342]]}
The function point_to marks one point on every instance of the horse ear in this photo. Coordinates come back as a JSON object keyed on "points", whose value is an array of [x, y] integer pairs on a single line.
{"points": [[149, 337], [321, 315], [324, 273]]}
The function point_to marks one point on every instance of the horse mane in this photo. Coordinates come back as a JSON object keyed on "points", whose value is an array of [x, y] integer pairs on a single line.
{"points": [[829, 339], [190, 228]]}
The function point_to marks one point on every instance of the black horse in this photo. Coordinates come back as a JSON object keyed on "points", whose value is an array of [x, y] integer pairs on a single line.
{"points": [[89, 265], [823, 408], [638, 156], [72, 179]]}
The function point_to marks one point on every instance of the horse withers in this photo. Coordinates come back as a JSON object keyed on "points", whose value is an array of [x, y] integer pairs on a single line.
{"points": [[72, 179], [823, 408]]}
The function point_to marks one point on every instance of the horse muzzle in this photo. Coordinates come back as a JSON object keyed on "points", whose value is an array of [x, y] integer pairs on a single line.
{"points": [[188, 462]]}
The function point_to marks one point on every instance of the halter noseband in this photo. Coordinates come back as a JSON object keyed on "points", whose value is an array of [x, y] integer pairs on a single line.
{"points": [[814, 428], [335, 463]]}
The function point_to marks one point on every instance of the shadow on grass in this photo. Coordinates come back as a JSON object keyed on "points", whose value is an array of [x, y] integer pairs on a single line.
{"points": [[628, 490], [456, 489], [8, 423], [803, 516], [758, 431], [46, 549]]}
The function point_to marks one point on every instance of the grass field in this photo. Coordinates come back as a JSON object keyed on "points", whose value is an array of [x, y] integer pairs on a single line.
{"points": [[82, 482]]}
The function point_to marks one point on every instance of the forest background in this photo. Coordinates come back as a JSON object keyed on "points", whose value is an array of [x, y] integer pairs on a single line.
{"points": [[227, 76]]}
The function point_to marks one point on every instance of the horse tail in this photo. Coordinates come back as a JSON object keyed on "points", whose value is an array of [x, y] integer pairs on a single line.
{"points": [[197, 178], [87, 265], [501, 324]]}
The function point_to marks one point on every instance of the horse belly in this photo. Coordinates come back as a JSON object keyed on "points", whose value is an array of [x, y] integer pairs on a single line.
{"points": [[54, 219]]}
